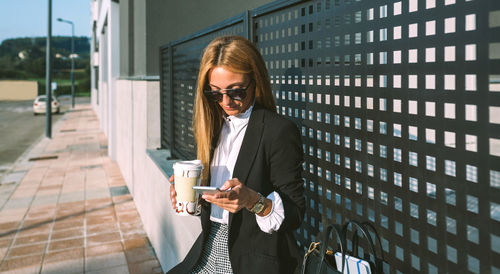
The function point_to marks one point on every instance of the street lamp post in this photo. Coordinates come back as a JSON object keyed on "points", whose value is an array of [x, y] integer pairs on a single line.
{"points": [[48, 74], [72, 59]]}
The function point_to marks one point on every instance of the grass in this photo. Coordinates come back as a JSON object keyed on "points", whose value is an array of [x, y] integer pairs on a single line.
{"points": [[59, 81], [82, 94], [63, 86]]}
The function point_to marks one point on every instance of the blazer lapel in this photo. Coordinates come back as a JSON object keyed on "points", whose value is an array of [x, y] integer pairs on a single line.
{"points": [[249, 147]]}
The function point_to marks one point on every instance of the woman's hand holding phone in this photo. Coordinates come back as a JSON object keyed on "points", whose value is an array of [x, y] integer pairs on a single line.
{"points": [[233, 196]]}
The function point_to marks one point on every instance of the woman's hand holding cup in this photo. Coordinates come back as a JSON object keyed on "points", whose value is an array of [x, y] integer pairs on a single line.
{"points": [[173, 194]]}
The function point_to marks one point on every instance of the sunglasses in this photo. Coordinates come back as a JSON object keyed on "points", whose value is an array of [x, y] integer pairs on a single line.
{"points": [[233, 93]]}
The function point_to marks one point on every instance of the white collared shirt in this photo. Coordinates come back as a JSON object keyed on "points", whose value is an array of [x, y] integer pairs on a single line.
{"points": [[222, 166]]}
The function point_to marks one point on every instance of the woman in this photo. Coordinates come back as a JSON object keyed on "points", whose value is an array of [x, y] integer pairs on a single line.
{"points": [[254, 156]]}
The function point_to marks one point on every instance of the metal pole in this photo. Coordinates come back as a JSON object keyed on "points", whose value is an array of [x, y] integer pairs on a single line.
{"points": [[72, 59], [72, 65], [48, 74]]}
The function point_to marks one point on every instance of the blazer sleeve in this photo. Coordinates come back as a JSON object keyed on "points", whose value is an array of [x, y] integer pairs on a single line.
{"points": [[285, 161]]}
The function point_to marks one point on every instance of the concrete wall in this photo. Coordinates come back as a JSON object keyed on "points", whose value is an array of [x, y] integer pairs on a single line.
{"points": [[103, 80], [147, 25], [94, 56], [113, 55], [17, 90], [107, 32], [140, 38], [139, 130]]}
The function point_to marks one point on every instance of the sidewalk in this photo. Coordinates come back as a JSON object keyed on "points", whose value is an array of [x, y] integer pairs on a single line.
{"points": [[72, 214]]}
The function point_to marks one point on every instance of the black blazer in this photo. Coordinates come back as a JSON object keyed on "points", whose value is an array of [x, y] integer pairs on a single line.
{"points": [[270, 159]]}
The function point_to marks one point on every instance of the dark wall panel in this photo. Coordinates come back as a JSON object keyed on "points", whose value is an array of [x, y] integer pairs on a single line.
{"points": [[179, 90]]}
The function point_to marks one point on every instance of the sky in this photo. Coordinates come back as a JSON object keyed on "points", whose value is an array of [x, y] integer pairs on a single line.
{"points": [[28, 18]]}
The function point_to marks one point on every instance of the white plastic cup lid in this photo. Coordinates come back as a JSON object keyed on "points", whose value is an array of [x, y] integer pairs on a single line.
{"points": [[188, 169], [188, 165]]}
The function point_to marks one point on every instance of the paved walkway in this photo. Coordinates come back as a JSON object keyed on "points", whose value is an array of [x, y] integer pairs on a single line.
{"points": [[72, 214]]}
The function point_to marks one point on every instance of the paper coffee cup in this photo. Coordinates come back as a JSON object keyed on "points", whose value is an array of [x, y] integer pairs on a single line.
{"points": [[186, 175]]}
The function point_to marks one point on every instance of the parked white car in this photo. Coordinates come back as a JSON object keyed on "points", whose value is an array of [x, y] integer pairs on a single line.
{"points": [[39, 105]]}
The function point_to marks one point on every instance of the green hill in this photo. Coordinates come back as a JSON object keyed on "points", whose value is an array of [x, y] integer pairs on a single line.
{"points": [[24, 58]]}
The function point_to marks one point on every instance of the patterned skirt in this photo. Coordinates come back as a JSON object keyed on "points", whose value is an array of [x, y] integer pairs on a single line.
{"points": [[215, 254]]}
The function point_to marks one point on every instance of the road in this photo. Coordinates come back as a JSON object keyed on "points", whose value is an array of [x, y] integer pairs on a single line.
{"points": [[19, 128]]}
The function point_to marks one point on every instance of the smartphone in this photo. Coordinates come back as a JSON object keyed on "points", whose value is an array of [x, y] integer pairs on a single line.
{"points": [[206, 189], [209, 189]]}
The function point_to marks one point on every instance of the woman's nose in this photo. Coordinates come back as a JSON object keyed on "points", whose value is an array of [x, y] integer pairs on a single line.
{"points": [[226, 99]]}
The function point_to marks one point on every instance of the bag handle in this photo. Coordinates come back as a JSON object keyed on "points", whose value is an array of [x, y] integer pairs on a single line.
{"points": [[378, 259], [335, 228], [361, 228], [313, 246]]}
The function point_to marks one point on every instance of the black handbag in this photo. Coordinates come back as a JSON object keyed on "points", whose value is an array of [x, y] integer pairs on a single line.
{"points": [[318, 258]]}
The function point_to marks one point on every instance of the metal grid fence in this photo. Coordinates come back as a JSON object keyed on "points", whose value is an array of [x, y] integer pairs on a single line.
{"points": [[398, 103]]}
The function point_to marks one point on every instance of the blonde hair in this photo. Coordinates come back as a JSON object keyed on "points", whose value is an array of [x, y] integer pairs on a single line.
{"points": [[238, 55]]}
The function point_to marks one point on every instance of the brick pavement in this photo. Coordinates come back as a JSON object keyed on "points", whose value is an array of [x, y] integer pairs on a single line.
{"points": [[72, 214]]}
